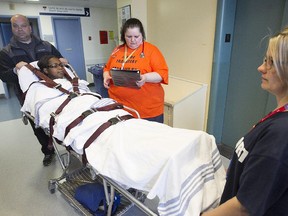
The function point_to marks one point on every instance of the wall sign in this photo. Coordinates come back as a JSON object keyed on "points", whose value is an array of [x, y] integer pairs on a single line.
{"points": [[124, 13], [65, 11]]}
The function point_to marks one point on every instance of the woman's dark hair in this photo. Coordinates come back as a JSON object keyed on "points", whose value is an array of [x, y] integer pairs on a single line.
{"points": [[44, 62], [131, 23]]}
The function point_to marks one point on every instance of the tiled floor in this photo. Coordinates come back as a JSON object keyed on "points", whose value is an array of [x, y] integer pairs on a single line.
{"points": [[24, 180]]}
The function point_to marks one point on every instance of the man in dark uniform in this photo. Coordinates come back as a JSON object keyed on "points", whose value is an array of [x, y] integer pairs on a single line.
{"points": [[24, 47]]}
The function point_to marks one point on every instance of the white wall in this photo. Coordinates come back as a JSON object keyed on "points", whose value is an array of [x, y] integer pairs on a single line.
{"points": [[184, 31], [100, 19], [138, 10]]}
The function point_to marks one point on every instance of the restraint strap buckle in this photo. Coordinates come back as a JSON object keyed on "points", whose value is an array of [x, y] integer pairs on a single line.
{"points": [[72, 95], [115, 120], [52, 114], [58, 86], [87, 113]]}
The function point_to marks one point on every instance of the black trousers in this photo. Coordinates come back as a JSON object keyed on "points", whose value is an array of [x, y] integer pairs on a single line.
{"points": [[42, 137], [159, 118]]}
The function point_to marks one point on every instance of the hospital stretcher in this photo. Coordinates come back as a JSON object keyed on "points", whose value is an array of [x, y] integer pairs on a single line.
{"points": [[181, 167]]}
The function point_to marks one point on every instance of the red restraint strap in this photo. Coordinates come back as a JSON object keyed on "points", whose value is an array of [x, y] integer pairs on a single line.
{"points": [[53, 115], [90, 111], [75, 84], [50, 83], [100, 129], [59, 110]]}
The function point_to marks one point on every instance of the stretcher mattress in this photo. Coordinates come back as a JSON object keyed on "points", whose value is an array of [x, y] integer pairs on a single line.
{"points": [[182, 167]]}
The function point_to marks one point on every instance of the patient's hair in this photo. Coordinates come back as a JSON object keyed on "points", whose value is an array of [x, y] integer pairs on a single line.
{"points": [[132, 23], [44, 62]]}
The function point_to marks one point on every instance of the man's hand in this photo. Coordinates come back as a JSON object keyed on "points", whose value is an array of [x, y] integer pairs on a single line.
{"points": [[19, 65], [63, 60]]}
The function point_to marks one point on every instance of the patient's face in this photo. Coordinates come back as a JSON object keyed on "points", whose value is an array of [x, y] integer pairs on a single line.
{"points": [[55, 69]]}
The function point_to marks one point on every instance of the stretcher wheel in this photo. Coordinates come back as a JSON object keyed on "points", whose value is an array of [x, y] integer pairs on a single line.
{"points": [[52, 186]]}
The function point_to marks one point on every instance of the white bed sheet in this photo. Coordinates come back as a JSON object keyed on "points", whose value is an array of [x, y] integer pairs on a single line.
{"points": [[182, 167]]}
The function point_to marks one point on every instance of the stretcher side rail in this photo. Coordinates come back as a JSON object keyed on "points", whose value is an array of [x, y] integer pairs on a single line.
{"points": [[129, 196], [64, 163]]}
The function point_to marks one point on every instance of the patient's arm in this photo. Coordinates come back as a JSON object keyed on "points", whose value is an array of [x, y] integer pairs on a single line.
{"points": [[230, 208]]}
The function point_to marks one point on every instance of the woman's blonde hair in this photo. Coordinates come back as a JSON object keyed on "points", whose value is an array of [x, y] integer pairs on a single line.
{"points": [[278, 50]]}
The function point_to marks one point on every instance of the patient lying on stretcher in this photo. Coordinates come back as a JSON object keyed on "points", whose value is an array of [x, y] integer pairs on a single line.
{"points": [[182, 167]]}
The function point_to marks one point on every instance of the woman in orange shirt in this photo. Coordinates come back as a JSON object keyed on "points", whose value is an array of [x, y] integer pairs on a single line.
{"points": [[137, 54]]}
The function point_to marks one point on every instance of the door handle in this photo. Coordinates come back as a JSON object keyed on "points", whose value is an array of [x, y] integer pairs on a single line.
{"points": [[68, 49]]}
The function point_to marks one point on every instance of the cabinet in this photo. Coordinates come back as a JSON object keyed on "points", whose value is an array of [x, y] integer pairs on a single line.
{"points": [[185, 104]]}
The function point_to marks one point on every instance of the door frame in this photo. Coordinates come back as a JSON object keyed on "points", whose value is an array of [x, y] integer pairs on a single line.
{"points": [[220, 82]]}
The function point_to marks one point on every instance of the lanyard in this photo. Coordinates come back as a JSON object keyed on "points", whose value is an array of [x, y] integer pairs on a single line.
{"points": [[125, 56], [280, 109]]}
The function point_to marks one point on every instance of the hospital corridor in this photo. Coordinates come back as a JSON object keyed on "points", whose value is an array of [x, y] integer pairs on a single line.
{"points": [[143, 107]]}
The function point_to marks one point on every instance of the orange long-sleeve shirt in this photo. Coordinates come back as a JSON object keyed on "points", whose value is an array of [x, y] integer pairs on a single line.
{"points": [[149, 100]]}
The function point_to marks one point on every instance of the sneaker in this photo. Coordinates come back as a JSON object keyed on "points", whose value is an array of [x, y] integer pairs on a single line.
{"points": [[48, 159]]}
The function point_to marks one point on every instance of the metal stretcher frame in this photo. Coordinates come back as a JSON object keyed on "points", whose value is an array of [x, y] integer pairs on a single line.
{"points": [[65, 160]]}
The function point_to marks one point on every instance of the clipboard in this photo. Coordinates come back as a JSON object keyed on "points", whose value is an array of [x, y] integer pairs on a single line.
{"points": [[125, 78]]}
